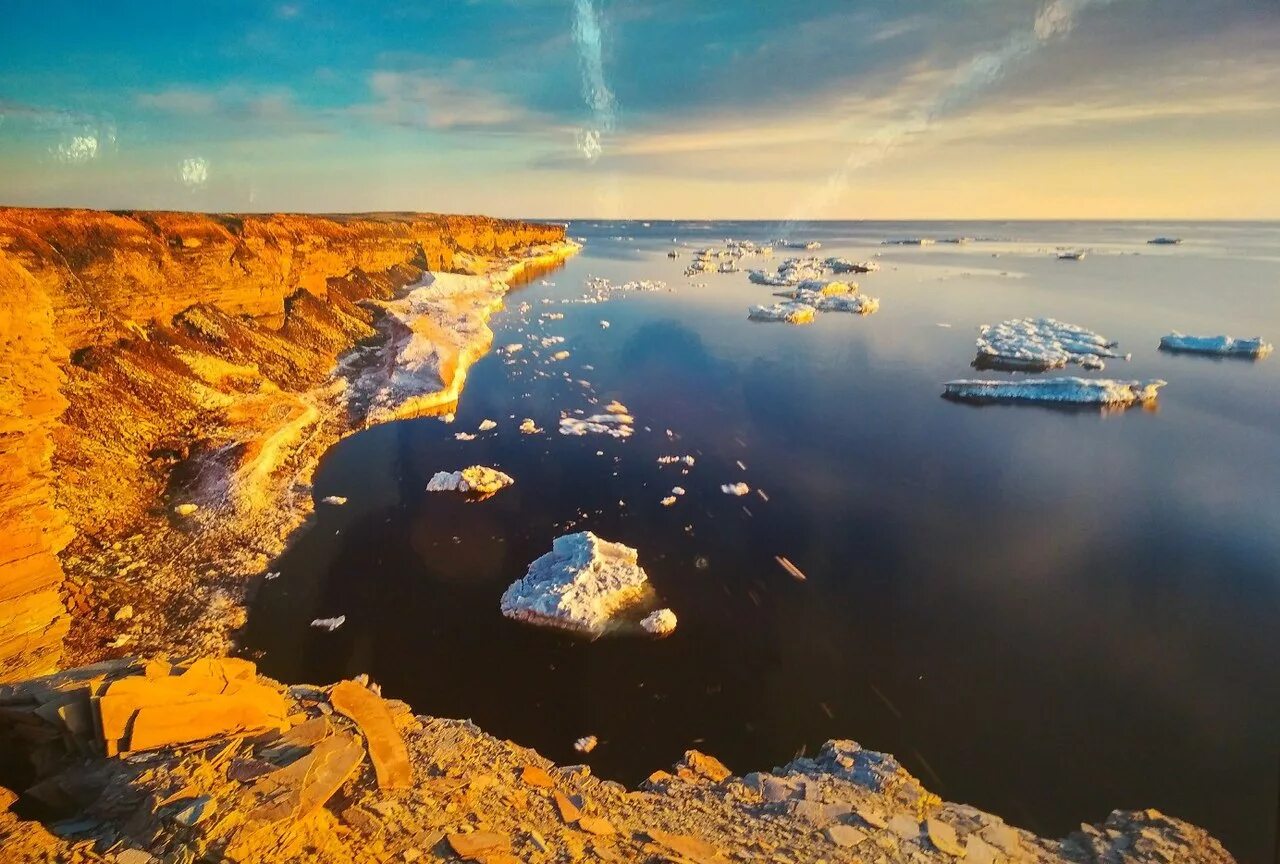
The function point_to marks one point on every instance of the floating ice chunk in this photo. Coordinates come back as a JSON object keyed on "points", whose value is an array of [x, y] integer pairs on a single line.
{"points": [[1041, 343], [528, 427], [580, 585], [604, 325], [671, 460], [335, 500], [586, 743], [513, 347], [844, 265], [476, 480], [560, 355], [1224, 346], [811, 288], [616, 425], [677, 490], [464, 436], [792, 271], [739, 489], [486, 425], [1062, 391], [329, 624], [659, 623], [553, 316], [616, 407], [792, 313], [668, 501]]}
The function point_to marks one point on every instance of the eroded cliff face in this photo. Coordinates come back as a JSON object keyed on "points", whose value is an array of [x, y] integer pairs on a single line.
{"points": [[133, 341]]}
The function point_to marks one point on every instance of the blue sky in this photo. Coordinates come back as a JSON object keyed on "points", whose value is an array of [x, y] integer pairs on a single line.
{"points": [[884, 109]]}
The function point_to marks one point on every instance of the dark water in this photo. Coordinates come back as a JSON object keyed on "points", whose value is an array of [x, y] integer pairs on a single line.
{"points": [[1046, 614]]}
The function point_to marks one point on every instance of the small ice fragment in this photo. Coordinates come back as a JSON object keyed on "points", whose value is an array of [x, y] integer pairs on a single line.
{"points": [[671, 460], [668, 501], [329, 624], [464, 436], [659, 623], [738, 462], [513, 347], [528, 427], [336, 500], [604, 325], [616, 407], [763, 497], [560, 355], [738, 489], [447, 418], [677, 490], [271, 574], [586, 744], [790, 568], [1224, 346], [486, 425]]}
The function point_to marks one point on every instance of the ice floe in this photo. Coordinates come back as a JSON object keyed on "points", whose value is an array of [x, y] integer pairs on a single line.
{"points": [[486, 425], [661, 622], [844, 265], [739, 489], [581, 585], [1041, 343], [477, 480], [1223, 346], [792, 313], [1061, 391], [668, 501], [329, 624], [464, 436], [790, 272], [528, 427], [672, 460], [335, 500], [615, 425]]}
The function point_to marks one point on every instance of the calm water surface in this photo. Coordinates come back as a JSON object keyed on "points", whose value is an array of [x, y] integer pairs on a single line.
{"points": [[1047, 614]]}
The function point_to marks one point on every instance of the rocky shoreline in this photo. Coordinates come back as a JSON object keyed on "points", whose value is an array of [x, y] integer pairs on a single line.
{"points": [[169, 383]]}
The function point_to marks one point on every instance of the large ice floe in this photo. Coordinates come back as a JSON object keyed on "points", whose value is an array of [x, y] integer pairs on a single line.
{"points": [[1056, 391], [583, 585], [1041, 343], [477, 481], [1220, 346]]}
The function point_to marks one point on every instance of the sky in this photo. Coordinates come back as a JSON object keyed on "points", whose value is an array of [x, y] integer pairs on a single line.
{"points": [[770, 109]]}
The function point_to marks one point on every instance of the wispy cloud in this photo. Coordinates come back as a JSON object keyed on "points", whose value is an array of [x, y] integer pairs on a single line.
{"points": [[440, 102]]}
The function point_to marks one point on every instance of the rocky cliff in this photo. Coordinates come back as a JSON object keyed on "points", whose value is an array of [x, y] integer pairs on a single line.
{"points": [[133, 341]]}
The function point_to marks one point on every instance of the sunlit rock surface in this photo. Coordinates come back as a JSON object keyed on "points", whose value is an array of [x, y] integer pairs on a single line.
{"points": [[1223, 346], [580, 585], [1042, 343], [1059, 391]]}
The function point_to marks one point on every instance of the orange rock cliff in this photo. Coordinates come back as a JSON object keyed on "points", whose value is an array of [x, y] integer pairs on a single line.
{"points": [[124, 335]]}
